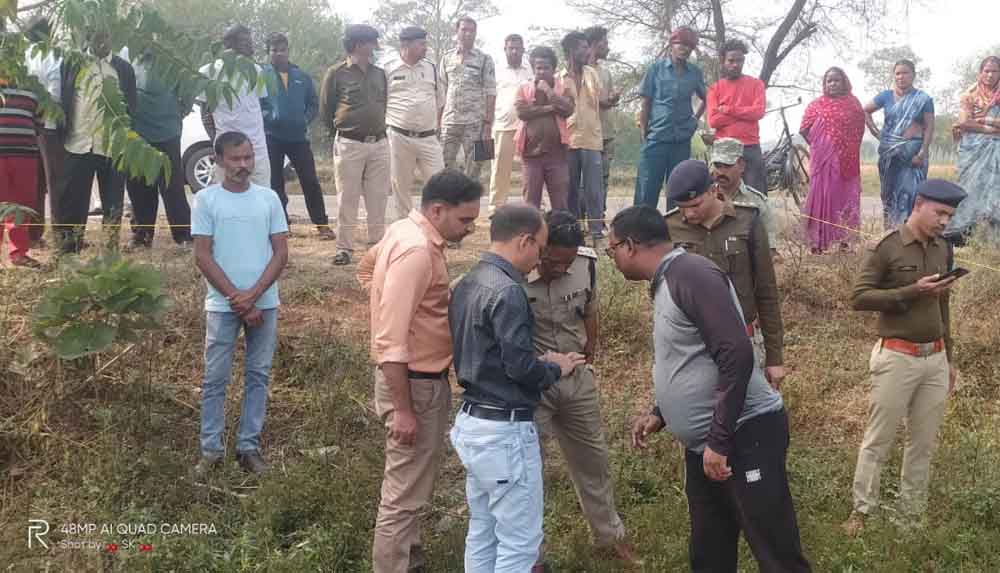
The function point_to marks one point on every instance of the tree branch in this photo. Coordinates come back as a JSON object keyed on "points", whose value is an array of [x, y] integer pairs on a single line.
{"points": [[718, 19], [35, 6], [774, 46], [802, 36]]}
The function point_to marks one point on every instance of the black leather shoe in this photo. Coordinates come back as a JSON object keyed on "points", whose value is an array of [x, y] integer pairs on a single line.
{"points": [[252, 462], [205, 466]]}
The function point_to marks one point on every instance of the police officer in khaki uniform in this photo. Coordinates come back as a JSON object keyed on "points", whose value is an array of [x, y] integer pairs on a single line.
{"points": [[415, 98], [728, 166], [733, 236], [353, 105], [911, 363], [562, 292], [470, 77]]}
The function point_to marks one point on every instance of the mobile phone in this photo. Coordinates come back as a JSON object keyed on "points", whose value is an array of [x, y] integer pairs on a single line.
{"points": [[957, 272]]}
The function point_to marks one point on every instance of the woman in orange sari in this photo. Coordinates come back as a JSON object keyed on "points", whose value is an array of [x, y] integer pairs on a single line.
{"points": [[979, 157]]}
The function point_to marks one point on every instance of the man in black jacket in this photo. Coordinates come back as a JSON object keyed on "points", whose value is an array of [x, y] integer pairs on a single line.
{"points": [[503, 379], [87, 152]]}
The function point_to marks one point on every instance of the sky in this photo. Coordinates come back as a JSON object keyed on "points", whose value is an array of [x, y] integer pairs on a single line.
{"points": [[940, 31]]}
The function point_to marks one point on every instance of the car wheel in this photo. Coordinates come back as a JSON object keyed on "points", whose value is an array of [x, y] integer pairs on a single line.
{"points": [[199, 167]]}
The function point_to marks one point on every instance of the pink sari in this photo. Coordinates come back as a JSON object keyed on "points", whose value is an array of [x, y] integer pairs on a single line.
{"points": [[833, 208]]}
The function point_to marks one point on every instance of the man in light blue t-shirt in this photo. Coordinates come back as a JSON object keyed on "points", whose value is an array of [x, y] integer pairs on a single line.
{"points": [[240, 245]]}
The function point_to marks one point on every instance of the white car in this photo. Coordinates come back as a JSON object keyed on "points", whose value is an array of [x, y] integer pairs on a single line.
{"points": [[198, 156]]}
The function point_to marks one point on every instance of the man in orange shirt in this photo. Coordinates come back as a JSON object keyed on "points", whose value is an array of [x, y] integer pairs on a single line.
{"points": [[407, 276], [735, 106]]}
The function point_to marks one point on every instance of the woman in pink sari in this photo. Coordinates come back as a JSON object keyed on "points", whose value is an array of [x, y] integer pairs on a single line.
{"points": [[833, 125]]}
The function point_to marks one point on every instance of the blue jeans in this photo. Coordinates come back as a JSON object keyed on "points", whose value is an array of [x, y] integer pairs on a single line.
{"points": [[503, 485], [587, 165], [222, 329], [656, 160]]}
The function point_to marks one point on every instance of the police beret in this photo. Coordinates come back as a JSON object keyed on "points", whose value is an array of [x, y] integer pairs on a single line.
{"points": [[941, 191], [360, 33], [412, 33], [688, 180]]}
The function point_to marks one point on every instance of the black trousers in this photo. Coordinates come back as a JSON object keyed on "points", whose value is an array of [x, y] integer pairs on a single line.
{"points": [[74, 199], [146, 199], [755, 173], [755, 500], [301, 157]]}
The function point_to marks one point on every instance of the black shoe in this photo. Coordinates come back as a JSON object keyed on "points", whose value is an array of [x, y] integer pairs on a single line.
{"points": [[342, 258], [205, 466], [136, 244], [252, 462]]}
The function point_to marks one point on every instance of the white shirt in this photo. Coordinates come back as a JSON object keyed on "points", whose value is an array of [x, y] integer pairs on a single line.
{"points": [[508, 80], [87, 134], [47, 69], [244, 115], [416, 94]]}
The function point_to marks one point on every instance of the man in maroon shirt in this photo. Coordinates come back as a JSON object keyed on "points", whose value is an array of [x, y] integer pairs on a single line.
{"points": [[735, 106]]}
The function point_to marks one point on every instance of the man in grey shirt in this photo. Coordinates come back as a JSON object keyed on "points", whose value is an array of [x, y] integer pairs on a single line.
{"points": [[714, 398]]}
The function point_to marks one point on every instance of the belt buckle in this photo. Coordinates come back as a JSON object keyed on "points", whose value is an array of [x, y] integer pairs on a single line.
{"points": [[925, 349], [370, 139]]}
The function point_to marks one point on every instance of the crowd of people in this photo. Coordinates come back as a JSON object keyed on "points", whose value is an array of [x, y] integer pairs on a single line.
{"points": [[520, 330]]}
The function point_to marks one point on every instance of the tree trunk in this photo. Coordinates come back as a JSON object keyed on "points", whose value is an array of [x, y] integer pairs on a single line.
{"points": [[719, 21], [774, 53]]}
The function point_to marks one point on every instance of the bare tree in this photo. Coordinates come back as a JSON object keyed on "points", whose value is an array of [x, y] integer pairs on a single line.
{"points": [[799, 23], [438, 17], [878, 67]]}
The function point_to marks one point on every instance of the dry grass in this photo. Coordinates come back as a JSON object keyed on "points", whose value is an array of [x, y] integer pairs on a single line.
{"points": [[117, 449]]}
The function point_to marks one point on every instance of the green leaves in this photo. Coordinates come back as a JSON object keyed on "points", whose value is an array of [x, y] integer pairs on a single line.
{"points": [[107, 300]]}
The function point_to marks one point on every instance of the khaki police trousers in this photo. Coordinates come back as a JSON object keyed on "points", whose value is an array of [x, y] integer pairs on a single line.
{"points": [[570, 412], [904, 388], [360, 170], [410, 154], [410, 473], [464, 136], [503, 164]]}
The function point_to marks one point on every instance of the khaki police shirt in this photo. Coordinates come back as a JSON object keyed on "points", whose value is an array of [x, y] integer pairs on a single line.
{"points": [[747, 195], [416, 94], [738, 244], [353, 100], [561, 305], [469, 80], [887, 284]]}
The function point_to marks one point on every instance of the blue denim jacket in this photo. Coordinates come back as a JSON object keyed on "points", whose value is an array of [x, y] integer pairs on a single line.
{"points": [[491, 329]]}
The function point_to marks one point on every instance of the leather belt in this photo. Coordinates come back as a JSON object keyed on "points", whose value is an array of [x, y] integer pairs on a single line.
{"points": [[414, 375], [366, 139], [919, 349], [498, 414], [417, 134]]}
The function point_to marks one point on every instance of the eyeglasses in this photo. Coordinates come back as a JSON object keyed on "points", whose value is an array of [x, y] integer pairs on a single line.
{"points": [[610, 249]]}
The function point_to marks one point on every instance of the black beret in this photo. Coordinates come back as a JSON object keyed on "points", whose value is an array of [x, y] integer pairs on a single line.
{"points": [[412, 33], [360, 33], [941, 191], [688, 180]]}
